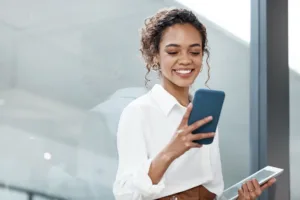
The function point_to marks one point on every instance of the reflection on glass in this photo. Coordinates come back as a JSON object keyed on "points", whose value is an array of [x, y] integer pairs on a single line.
{"points": [[66, 72]]}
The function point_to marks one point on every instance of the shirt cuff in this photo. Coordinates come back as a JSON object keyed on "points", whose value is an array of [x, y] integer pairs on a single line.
{"points": [[143, 183]]}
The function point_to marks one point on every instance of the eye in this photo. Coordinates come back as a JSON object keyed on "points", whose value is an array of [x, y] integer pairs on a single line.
{"points": [[172, 53], [195, 53]]}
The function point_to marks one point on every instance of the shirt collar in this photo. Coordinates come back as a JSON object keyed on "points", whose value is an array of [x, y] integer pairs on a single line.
{"points": [[164, 99]]}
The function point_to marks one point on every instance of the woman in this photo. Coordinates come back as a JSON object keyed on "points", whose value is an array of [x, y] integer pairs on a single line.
{"points": [[157, 158]]}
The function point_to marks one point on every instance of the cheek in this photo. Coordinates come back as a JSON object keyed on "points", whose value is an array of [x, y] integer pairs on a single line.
{"points": [[198, 63], [167, 64]]}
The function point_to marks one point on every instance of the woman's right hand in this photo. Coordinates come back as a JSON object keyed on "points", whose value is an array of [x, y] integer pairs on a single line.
{"points": [[183, 138]]}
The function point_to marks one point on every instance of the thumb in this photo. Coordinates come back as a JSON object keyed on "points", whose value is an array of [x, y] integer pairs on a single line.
{"points": [[268, 184]]}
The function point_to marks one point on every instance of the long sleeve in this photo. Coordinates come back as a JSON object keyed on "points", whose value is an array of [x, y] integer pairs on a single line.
{"points": [[132, 180], [217, 184]]}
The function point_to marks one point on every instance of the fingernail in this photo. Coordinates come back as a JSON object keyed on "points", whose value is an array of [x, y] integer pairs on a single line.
{"points": [[210, 118]]}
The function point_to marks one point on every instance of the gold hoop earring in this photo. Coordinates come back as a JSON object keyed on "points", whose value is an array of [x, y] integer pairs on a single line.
{"points": [[156, 67]]}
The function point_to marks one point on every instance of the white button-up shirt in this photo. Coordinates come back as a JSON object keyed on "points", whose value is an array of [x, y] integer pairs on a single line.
{"points": [[146, 126]]}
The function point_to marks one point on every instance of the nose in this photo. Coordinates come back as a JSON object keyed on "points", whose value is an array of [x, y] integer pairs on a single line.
{"points": [[185, 60]]}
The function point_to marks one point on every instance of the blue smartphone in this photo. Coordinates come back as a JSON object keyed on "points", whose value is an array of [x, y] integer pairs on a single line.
{"points": [[206, 103]]}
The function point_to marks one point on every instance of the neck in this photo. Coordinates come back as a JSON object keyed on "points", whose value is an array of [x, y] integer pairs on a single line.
{"points": [[180, 93]]}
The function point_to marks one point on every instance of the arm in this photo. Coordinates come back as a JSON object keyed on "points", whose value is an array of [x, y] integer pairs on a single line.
{"points": [[181, 142], [140, 178], [159, 166], [136, 171]]}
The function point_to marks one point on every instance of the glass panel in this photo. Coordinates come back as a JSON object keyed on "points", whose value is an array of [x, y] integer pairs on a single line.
{"points": [[68, 68], [294, 63], [228, 39], [9, 195]]}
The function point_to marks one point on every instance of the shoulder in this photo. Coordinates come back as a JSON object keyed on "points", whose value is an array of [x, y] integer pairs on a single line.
{"points": [[133, 116], [139, 106]]}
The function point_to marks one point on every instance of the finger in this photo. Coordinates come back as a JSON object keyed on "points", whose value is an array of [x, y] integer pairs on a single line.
{"points": [[241, 194], [264, 186], [200, 136], [186, 116], [257, 188], [268, 184], [246, 192], [250, 187], [190, 145], [179, 131], [198, 124]]}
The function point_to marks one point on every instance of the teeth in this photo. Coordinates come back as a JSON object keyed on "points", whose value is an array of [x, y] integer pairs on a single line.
{"points": [[184, 71]]}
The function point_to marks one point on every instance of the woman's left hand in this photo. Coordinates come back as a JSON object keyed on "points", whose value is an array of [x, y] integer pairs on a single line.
{"points": [[251, 190]]}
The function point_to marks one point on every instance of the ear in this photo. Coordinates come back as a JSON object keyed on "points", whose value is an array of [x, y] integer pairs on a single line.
{"points": [[156, 59]]}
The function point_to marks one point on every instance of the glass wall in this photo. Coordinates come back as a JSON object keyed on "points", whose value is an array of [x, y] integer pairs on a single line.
{"points": [[68, 68], [294, 63], [230, 71]]}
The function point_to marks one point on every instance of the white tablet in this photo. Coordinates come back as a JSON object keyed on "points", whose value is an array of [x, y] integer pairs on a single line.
{"points": [[262, 176]]}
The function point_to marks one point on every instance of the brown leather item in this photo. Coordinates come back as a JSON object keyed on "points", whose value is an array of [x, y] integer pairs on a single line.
{"points": [[196, 193]]}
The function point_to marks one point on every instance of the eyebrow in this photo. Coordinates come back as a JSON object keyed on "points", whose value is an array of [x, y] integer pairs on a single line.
{"points": [[177, 45]]}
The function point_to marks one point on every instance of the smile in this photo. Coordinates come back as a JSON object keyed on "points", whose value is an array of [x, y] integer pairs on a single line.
{"points": [[183, 72]]}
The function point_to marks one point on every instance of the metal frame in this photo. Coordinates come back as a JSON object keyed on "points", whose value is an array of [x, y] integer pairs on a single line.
{"points": [[30, 193], [269, 105]]}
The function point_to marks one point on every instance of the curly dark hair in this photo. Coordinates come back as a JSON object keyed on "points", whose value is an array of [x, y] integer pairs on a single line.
{"points": [[154, 27]]}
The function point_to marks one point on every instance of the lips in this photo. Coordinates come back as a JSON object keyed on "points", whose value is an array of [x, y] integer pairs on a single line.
{"points": [[183, 73]]}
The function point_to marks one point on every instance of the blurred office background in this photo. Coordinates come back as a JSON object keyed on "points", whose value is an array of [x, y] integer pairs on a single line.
{"points": [[68, 68]]}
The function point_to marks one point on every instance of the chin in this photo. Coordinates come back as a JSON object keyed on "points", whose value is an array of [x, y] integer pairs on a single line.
{"points": [[183, 83]]}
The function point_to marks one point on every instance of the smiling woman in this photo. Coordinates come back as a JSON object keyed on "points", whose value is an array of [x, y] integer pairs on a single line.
{"points": [[158, 158], [173, 40], [68, 69]]}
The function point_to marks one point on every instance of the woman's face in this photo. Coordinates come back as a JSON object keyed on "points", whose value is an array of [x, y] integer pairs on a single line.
{"points": [[180, 55]]}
